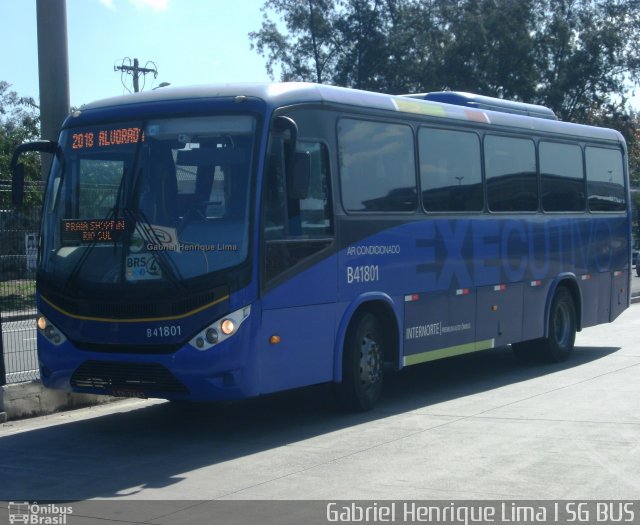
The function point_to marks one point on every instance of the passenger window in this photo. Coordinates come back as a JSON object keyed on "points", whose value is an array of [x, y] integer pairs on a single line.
{"points": [[510, 166], [377, 166], [450, 170], [562, 177], [605, 179]]}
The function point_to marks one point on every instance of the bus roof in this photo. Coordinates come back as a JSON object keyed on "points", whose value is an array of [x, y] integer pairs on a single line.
{"points": [[491, 103], [289, 93]]}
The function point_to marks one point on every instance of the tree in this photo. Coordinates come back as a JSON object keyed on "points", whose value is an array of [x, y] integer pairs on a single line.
{"points": [[309, 52], [491, 48], [586, 52], [19, 122], [574, 56]]}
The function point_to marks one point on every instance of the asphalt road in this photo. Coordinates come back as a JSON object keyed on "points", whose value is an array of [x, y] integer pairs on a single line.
{"points": [[480, 426]]}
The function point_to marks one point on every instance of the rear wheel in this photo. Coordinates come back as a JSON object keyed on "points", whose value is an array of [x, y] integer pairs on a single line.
{"points": [[558, 345], [362, 365], [562, 327]]}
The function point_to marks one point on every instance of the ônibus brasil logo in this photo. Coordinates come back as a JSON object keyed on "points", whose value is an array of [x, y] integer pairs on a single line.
{"points": [[32, 513]]}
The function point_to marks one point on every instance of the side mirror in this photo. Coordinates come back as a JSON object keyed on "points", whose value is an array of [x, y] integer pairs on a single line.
{"points": [[282, 124], [17, 169], [299, 175], [17, 185], [298, 162]]}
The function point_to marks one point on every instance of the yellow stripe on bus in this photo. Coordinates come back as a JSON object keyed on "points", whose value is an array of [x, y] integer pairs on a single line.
{"points": [[138, 320], [415, 106], [432, 355]]}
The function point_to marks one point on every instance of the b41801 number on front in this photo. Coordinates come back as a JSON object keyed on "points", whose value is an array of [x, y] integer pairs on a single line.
{"points": [[165, 331]]}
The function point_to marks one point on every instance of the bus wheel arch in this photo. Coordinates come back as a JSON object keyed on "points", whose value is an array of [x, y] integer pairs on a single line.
{"points": [[570, 283], [367, 343], [562, 319]]}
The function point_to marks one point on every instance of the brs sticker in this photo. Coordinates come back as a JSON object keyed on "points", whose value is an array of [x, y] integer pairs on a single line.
{"points": [[143, 266]]}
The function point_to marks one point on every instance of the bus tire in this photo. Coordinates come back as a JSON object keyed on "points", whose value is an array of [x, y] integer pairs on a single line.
{"points": [[362, 364], [558, 345], [637, 270]]}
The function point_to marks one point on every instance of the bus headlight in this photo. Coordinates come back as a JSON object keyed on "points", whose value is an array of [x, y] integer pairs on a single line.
{"points": [[227, 327], [221, 330], [50, 331]]}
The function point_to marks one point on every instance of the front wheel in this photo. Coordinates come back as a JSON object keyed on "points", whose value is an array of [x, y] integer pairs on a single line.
{"points": [[362, 365]]}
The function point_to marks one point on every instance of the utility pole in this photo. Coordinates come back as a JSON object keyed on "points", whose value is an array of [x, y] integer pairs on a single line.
{"points": [[135, 70], [53, 70]]}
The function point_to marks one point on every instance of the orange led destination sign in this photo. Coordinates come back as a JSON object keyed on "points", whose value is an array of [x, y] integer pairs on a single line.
{"points": [[104, 138], [87, 231]]}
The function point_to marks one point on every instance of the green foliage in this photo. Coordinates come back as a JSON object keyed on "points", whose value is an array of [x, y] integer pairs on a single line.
{"points": [[19, 122], [585, 52], [309, 53], [18, 294]]}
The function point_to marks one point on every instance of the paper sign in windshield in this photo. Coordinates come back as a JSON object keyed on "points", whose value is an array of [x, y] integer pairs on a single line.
{"points": [[142, 267]]}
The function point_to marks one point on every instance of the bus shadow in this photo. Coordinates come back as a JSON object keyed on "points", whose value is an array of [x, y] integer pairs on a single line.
{"points": [[123, 454], [441, 381]]}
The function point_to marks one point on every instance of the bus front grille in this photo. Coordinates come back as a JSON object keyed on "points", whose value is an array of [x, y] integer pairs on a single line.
{"points": [[113, 376]]}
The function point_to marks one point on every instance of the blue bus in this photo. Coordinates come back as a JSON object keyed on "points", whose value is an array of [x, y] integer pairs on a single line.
{"points": [[228, 241]]}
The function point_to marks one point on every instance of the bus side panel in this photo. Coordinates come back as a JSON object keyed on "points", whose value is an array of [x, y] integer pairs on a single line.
{"points": [[589, 289], [441, 321], [619, 293], [303, 356], [302, 312], [500, 314], [534, 302], [596, 298], [604, 297]]}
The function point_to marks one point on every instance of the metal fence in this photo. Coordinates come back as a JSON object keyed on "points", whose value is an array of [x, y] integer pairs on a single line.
{"points": [[18, 257]]}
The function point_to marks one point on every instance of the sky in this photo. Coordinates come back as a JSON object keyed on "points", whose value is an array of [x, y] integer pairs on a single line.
{"points": [[190, 41]]}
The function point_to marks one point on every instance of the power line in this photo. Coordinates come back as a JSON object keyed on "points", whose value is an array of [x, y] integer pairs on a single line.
{"points": [[135, 71]]}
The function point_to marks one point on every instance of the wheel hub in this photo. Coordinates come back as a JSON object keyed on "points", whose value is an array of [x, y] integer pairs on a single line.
{"points": [[370, 361]]}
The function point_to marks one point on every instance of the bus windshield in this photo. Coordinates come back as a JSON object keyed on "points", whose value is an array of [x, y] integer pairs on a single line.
{"points": [[149, 202]]}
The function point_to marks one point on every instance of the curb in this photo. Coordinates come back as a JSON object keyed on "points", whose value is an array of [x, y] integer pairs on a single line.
{"points": [[30, 399]]}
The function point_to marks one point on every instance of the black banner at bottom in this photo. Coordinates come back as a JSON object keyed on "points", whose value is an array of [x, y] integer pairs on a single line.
{"points": [[303, 512]]}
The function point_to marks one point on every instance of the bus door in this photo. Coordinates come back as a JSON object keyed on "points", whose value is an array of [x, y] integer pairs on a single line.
{"points": [[298, 274]]}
